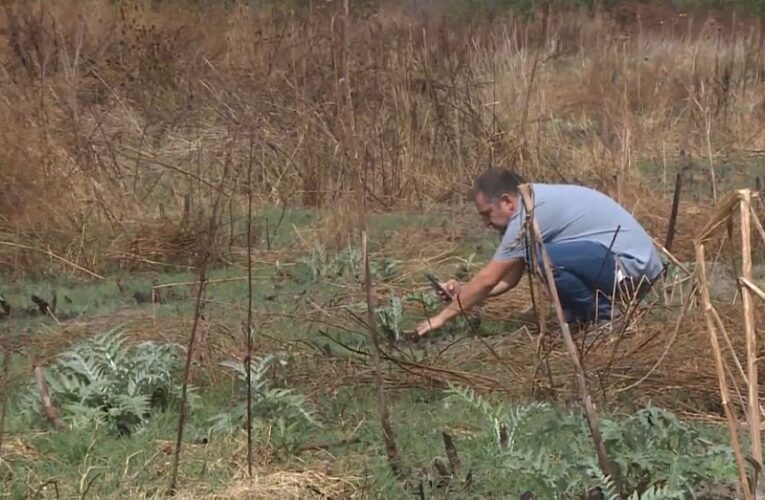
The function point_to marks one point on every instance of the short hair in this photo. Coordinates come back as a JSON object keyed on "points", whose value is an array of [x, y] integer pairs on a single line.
{"points": [[494, 182]]}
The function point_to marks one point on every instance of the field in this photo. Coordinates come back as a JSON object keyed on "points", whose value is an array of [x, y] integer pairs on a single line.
{"points": [[182, 183]]}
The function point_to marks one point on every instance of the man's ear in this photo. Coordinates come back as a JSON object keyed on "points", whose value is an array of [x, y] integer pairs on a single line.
{"points": [[509, 200]]}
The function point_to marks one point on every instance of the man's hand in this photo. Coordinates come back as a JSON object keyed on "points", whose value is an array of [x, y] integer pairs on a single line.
{"points": [[497, 277], [453, 288], [430, 324]]}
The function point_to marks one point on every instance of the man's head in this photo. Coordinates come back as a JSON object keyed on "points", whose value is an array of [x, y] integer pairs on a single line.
{"points": [[495, 194]]}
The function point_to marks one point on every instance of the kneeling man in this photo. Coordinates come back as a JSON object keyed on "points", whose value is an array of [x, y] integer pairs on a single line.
{"points": [[597, 249]]}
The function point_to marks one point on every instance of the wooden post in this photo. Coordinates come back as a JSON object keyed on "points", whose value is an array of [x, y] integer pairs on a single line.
{"points": [[673, 214], [751, 337]]}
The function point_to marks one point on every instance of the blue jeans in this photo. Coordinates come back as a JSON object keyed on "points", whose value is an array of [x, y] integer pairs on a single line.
{"points": [[584, 274]]}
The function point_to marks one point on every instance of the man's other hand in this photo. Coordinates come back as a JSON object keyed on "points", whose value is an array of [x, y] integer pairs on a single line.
{"points": [[430, 324], [453, 288]]}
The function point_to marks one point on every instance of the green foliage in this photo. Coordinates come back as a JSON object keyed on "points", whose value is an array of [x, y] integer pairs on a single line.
{"points": [[429, 304], [551, 453], [103, 382], [466, 266], [286, 410], [347, 263], [389, 317]]}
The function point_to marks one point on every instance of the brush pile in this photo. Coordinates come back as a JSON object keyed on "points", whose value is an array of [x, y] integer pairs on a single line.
{"points": [[164, 242]]}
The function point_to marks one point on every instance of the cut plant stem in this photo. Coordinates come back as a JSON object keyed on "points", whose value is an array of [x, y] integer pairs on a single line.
{"points": [[6, 386], [50, 411]]}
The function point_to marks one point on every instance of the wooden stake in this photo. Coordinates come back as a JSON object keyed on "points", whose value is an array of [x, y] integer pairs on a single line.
{"points": [[581, 381], [724, 390], [751, 337], [673, 214], [248, 358]]}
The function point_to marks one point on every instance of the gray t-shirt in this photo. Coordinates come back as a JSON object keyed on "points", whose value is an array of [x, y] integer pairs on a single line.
{"points": [[566, 213]]}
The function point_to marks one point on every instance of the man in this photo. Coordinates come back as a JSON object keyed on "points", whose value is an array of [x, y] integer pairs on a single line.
{"points": [[596, 248]]}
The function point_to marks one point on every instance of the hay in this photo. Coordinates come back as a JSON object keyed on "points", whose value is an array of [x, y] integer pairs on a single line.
{"points": [[284, 485], [163, 243], [15, 448], [648, 364]]}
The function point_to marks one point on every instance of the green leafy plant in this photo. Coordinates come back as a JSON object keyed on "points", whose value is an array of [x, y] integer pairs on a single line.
{"points": [[466, 266], [286, 410], [550, 452], [102, 381], [385, 268], [389, 317], [323, 265], [429, 304]]}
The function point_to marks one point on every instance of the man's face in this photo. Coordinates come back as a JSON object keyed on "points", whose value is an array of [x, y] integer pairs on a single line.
{"points": [[496, 214]]}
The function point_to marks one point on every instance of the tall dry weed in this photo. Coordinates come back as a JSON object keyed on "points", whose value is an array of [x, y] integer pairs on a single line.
{"points": [[120, 115]]}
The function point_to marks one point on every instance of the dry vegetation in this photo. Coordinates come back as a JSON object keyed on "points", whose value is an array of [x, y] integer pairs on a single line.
{"points": [[121, 118], [127, 125]]}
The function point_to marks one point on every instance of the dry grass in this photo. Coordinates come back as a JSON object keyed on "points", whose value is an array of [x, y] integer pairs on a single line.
{"points": [[285, 484], [121, 115]]}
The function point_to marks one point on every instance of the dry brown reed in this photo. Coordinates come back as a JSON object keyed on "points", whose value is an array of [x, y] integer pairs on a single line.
{"points": [[119, 115]]}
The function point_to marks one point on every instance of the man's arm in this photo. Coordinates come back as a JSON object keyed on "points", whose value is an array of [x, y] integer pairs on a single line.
{"points": [[497, 277], [503, 286]]}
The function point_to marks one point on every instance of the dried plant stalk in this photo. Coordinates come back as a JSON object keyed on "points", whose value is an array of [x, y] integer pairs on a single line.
{"points": [[51, 413], [754, 288], [720, 216], [52, 255], [6, 391], [203, 263], [757, 223], [248, 357], [723, 383], [352, 150], [751, 340], [581, 382]]}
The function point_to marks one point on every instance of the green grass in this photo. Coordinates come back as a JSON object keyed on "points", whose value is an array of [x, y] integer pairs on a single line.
{"points": [[419, 418], [139, 465]]}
